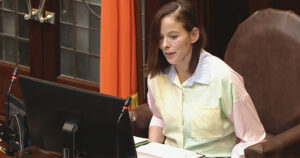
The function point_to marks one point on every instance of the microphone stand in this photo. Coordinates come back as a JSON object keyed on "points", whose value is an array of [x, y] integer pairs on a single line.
{"points": [[7, 119], [124, 109]]}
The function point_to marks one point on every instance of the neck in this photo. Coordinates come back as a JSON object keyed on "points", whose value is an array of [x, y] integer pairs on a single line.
{"points": [[182, 67], [183, 73]]}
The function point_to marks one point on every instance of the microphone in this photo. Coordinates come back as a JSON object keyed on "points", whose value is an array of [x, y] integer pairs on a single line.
{"points": [[124, 109], [126, 105], [14, 74], [13, 78], [7, 119]]}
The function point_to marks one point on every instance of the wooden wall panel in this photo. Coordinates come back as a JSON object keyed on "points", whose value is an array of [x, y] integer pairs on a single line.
{"points": [[293, 5], [223, 21]]}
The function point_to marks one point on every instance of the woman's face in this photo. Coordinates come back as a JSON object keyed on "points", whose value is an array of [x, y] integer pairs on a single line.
{"points": [[175, 42]]}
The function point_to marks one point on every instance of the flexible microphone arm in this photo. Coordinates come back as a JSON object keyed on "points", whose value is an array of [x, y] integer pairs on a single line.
{"points": [[7, 120], [13, 78], [124, 109]]}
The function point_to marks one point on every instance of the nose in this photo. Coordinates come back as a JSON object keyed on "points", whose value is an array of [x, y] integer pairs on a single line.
{"points": [[165, 44]]}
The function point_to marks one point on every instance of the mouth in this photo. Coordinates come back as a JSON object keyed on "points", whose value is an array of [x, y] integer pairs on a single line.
{"points": [[169, 54]]}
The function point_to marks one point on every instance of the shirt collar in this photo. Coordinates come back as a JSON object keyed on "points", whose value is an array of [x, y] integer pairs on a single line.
{"points": [[201, 74]]}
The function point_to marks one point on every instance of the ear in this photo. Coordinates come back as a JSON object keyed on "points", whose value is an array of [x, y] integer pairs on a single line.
{"points": [[194, 34]]}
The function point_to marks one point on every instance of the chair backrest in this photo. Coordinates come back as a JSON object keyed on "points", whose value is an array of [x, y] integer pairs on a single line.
{"points": [[265, 50], [140, 118]]}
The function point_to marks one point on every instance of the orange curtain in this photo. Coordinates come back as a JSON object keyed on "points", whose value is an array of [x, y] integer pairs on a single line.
{"points": [[118, 49]]}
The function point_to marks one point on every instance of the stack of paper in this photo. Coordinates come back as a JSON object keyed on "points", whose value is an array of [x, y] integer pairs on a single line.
{"points": [[140, 141], [146, 149]]}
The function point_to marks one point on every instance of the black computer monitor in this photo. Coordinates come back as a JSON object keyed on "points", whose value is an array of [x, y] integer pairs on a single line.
{"points": [[50, 105]]}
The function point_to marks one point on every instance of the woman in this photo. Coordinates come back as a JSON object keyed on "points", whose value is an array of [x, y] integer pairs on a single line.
{"points": [[198, 102]]}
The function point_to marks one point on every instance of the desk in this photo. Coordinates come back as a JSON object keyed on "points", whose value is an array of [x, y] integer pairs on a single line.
{"points": [[151, 150], [35, 153], [2, 151], [3, 155], [38, 153]]}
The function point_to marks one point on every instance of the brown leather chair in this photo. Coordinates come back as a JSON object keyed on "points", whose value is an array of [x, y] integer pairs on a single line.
{"points": [[140, 118], [265, 50]]}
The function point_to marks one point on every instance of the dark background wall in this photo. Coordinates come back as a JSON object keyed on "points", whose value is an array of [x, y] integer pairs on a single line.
{"points": [[221, 17]]}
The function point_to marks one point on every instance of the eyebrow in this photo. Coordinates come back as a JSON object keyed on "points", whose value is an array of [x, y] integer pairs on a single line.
{"points": [[171, 32]]}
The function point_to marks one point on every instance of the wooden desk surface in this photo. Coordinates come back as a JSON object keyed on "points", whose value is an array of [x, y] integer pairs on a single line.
{"points": [[2, 151], [34, 153], [3, 154]]}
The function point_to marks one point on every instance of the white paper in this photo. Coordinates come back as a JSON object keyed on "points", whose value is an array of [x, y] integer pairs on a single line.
{"points": [[164, 151], [139, 139]]}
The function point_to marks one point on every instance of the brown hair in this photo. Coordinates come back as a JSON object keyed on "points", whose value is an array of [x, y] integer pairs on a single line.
{"points": [[187, 15]]}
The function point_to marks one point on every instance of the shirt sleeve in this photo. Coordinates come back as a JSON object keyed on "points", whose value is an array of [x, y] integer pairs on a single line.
{"points": [[156, 119], [247, 125]]}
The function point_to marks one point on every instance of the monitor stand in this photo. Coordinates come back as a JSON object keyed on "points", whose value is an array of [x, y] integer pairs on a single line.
{"points": [[69, 148]]}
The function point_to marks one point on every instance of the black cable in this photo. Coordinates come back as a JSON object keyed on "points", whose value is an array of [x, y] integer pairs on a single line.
{"points": [[21, 144]]}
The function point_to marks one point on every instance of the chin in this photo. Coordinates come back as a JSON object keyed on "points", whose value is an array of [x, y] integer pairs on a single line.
{"points": [[171, 62]]}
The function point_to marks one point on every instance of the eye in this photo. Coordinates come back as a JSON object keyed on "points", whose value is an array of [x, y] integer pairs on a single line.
{"points": [[173, 37], [161, 38]]}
